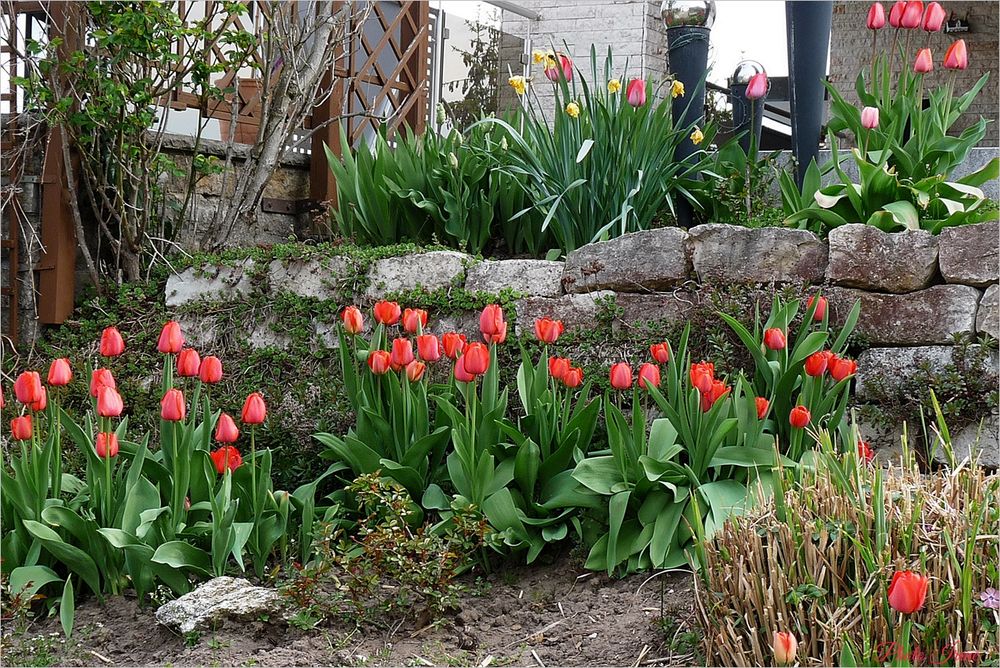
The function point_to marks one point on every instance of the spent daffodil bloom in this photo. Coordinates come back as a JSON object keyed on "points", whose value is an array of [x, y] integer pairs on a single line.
{"points": [[614, 85], [453, 159], [537, 56], [697, 137], [518, 84], [677, 89], [573, 109]]}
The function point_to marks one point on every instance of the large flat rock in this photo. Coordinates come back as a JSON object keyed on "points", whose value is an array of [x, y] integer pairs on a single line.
{"points": [[432, 271], [970, 254], [988, 316], [732, 254], [208, 283], [538, 278], [636, 262], [863, 256], [884, 372], [927, 317], [316, 278], [979, 442], [217, 600]]}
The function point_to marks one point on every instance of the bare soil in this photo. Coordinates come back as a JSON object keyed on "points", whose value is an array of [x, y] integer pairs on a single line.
{"points": [[554, 615]]}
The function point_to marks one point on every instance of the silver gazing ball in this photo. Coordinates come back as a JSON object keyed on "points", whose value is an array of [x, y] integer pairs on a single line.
{"points": [[745, 70], [688, 13]]}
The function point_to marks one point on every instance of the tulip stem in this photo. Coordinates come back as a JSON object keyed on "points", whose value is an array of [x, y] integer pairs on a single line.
{"points": [[109, 521], [57, 460]]}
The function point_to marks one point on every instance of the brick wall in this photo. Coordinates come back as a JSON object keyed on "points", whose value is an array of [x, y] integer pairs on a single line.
{"points": [[851, 52]]}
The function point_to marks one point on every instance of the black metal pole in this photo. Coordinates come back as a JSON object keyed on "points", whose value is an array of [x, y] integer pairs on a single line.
{"points": [[687, 49], [807, 24]]}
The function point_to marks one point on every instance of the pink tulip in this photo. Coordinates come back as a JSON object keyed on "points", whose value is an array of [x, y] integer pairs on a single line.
{"points": [[552, 69], [896, 14], [934, 17], [636, 92], [757, 88], [956, 57], [924, 63], [912, 13], [869, 118], [876, 16]]}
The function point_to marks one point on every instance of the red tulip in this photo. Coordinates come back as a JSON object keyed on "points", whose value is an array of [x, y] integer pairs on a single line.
{"points": [[477, 359], [428, 347], [660, 352], [106, 445], [20, 428], [636, 92], [109, 402], [453, 344], [784, 646], [799, 417], [934, 17], [112, 343], [956, 57], [649, 374], [28, 387], [101, 378], [226, 459], [210, 370], [415, 371], [354, 322], [172, 407], [43, 401], [573, 377], [2, 402], [841, 368], [226, 431], [414, 320], [762, 406], [869, 118], [907, 592], [820, 311], [548, 330], [757, 86], [461, 375], [716, 392], [912, 14], [774, 339], [876, 16], [865, 451], [60, 372], [924, 62], [188, 363], [702, 374], [254, 409], [559, 367], [387, 313], [816, 364], [896, 13], [492, 325], [171, 340], [564, 66], [379, 361], [621, 376], [402, 353]]}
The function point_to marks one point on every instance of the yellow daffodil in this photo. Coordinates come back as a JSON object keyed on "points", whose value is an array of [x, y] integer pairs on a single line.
{"points": [[573, 109], [697, 137], [614, 86], [537, 56], [518, 84], [677, 89]]}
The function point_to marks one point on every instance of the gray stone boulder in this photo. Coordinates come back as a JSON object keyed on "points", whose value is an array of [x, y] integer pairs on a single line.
{"points": [[732, 254], [927, 317], [577, 311], [210, 282], [217, 600], [636, 262], [970, 254], [988, 316], [979, 441], [539, 278], [431, 271], [884, 371], [863, 256], [316, 278], [674, 307]]}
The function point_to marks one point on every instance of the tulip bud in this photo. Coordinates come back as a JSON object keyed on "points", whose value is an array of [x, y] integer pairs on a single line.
{"points": [[109, 402], [762, 405], [402, 353], [387, 313], [924, 62], [620, 376], [60, 372], [799, 417], [907, 592], [477, 358], [934, 17], [784, 646], [106, 445], [559, 367], [820, 311], [226, 459], [28, 387], [912, 14], [896, 13], [112, 343], [171, 340], [774, 339], [254, 409], [635, 93], [101, 378], [414, 320], [649, 375], [573, 377], [379, 361], [869, 118], [226, 431], [757, 86], [428, 348], [188, 363], [354, 322], [660, 352], [210, 370], [876, 16], [453, 344], [548, 330], [956, 57], [815, 364], [415, 371], [20, 428], [172, 406]]}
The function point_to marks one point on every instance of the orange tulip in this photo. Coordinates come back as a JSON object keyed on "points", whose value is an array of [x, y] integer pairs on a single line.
{"points": [[774, 339], [816, 364], [649, 375], [799, 417], [210, 370], [402, 353], [820, 311], [354, 321], [171, 340], [20, 428], [106, 445], [841, 368], [101, 378], [453, 344], [226, 431], [573, 377], [60, 372], [620, 376], [559, 367], [415, 371], [387, 313], [660, 352], [548, 330], [477, 359], [112, 343], [254, 409], [717, 391], [188, 363], [865, 451], [109, 402], [907, 592], [226, 459], [492, 324], [762, 406], [379, 361], [461, 375], [28, 387], [172, 406], [428, 348], [414, 320], [702, 374]]}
